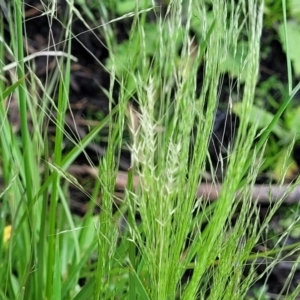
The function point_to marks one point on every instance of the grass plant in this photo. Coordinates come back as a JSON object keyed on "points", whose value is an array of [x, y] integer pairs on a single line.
{"points": [[183, 247]]}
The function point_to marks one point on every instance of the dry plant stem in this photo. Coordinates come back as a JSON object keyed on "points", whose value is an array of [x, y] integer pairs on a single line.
{"points": [[260, 193], [209, 191], [37, 54]]}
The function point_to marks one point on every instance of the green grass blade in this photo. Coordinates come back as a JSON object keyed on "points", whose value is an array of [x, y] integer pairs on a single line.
{"points": [[288, 58], [87, 291], [11, 88], [131, 247]]}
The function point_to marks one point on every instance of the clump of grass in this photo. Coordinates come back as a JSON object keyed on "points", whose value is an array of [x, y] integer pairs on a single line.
{"points": [[51, 251], [166, 200]]}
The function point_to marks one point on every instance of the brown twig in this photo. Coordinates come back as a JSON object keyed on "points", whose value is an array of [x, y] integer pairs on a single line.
{"points": [[210, 191], [259, 193]]}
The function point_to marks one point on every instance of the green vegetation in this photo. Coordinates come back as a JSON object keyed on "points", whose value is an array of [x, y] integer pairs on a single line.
{"points": [[183, 247]]}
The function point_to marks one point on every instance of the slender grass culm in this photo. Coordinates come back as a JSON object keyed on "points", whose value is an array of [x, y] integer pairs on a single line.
{"points": [[160, 239]]}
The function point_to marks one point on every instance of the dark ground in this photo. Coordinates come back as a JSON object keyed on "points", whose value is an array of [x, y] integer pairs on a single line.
{"points": [[86, 98]]}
